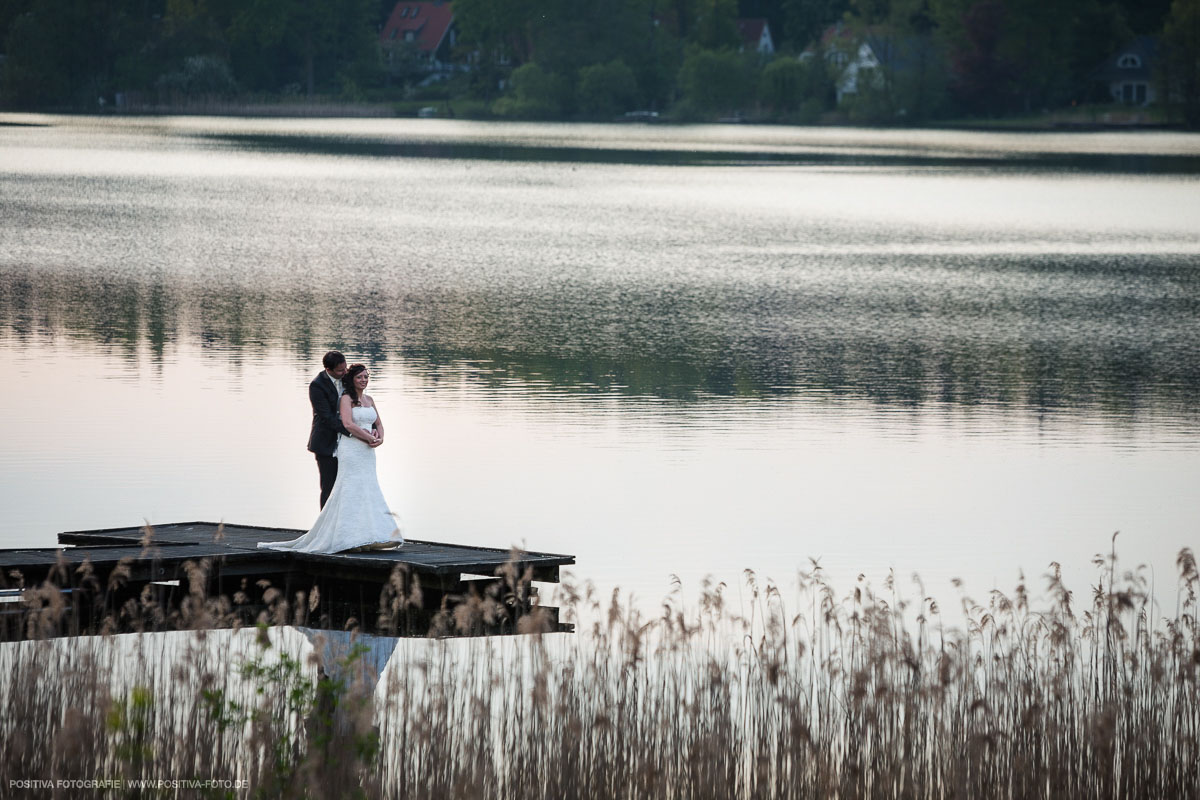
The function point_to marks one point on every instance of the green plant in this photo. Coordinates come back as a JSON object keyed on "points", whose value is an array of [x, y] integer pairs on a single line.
{"points": [[606, 90], [536, 94]]}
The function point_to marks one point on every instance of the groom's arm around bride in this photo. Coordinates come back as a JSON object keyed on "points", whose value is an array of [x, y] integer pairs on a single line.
{"points": [[324, 393]]}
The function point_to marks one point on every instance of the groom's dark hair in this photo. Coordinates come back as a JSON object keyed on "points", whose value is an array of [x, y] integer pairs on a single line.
{"points": [[332, 359]]}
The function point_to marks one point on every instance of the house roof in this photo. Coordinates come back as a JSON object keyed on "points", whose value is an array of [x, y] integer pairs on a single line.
{"points": [[751, 29], [1134, 61], [426, 20], [838, 32], [893, 52], [896, 53]]}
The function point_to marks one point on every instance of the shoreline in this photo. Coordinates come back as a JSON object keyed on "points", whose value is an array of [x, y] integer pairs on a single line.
{"points": [[1106, 118]]}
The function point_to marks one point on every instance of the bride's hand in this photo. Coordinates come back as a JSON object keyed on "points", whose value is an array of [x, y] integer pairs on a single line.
{"points": [[376, 441]]}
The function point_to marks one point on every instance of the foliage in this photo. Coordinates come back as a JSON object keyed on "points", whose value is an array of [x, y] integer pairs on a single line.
{"points": [[806, 20], [606, 89], [1099, 30], [500, 29], [983, 78], [866, 693], [714, 25], [200, 75], [568, 38], [1039, 37], [1181, 40], [780, 85], [794, 88], [714, 82], [130, 722], [309, 42], [975, 57], [536, 94], [133, 45], [47, 61], [31, 74], [1025, 55], [302, 724]]}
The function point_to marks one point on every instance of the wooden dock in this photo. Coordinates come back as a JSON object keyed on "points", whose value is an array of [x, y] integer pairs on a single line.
{"points": [[203, 574]]}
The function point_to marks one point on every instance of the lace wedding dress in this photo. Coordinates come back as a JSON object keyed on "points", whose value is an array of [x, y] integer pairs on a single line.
{"points": [[355, 514]]}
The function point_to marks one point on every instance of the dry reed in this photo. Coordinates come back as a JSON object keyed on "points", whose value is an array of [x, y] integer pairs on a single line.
{"points": [[869, 696]]}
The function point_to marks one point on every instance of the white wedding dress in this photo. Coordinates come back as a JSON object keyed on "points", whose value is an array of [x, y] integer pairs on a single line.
{"points": [[355, 514]]}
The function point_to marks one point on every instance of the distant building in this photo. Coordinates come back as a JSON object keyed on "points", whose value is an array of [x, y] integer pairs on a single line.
{"points": [[858, 60], [1129, 72], [425, 26], [847, 54], [756, 36]]}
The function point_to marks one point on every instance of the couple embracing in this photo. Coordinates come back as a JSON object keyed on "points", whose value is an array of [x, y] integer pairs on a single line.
{"points": [[346, 429]]}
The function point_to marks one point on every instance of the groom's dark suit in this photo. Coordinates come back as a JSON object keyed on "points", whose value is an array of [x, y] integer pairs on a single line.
{"points": [[326, 427]]}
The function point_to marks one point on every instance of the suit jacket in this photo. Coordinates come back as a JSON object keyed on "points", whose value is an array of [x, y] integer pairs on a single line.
{"points": [[327, 423]]}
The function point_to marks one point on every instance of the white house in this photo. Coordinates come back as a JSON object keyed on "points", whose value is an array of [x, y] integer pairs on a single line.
{"points": [[1129, 73]]}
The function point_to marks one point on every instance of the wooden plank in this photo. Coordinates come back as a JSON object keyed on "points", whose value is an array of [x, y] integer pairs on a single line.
{"points": [[177, 554], [236, 555], [436, 556]]}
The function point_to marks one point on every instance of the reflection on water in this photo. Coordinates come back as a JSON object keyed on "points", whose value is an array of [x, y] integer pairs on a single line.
{"points": [[1042, 333], [597, 317], [606, 153], [1040, 290]]}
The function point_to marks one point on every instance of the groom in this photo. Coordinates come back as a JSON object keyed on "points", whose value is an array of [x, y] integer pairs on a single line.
{"points": [[324, 393]]}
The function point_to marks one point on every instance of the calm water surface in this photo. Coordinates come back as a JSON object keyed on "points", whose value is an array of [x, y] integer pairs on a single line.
{"points": [[664, 350]]}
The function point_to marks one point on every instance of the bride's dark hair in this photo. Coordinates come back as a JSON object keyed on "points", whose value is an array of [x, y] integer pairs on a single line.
{"points": [[348, 383]]}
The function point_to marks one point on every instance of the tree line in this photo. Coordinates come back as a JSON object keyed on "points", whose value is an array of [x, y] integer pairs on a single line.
{"points": [[76, 53], [592, 59]]}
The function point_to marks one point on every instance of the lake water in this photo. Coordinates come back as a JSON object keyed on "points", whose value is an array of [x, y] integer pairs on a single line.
{"points": [[666, 350]]}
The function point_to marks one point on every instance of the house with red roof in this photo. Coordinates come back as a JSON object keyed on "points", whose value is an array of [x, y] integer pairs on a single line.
{"points": [[756, 36], [425, 26]]}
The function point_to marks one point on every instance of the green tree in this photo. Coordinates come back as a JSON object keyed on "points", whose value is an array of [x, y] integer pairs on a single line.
{"points": [[1181, 41], [9, 11], [714, 82], [806, 20], [1038, 42], [500, 29], [34, 74], [65, 52], [796, 89], [536, 94], [606, 89], [303, 28], [909, 81], [200, 76], [714, 25], [773, 11], [305, 43], [193, 27], [567, 37], [355, 53], [779, 88], [983, 78], [1145, 17], [656, 62], [1026, 55]]}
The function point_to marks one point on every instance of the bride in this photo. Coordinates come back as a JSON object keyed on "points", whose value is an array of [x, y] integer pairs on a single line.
{"points": [[355, 517]]}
